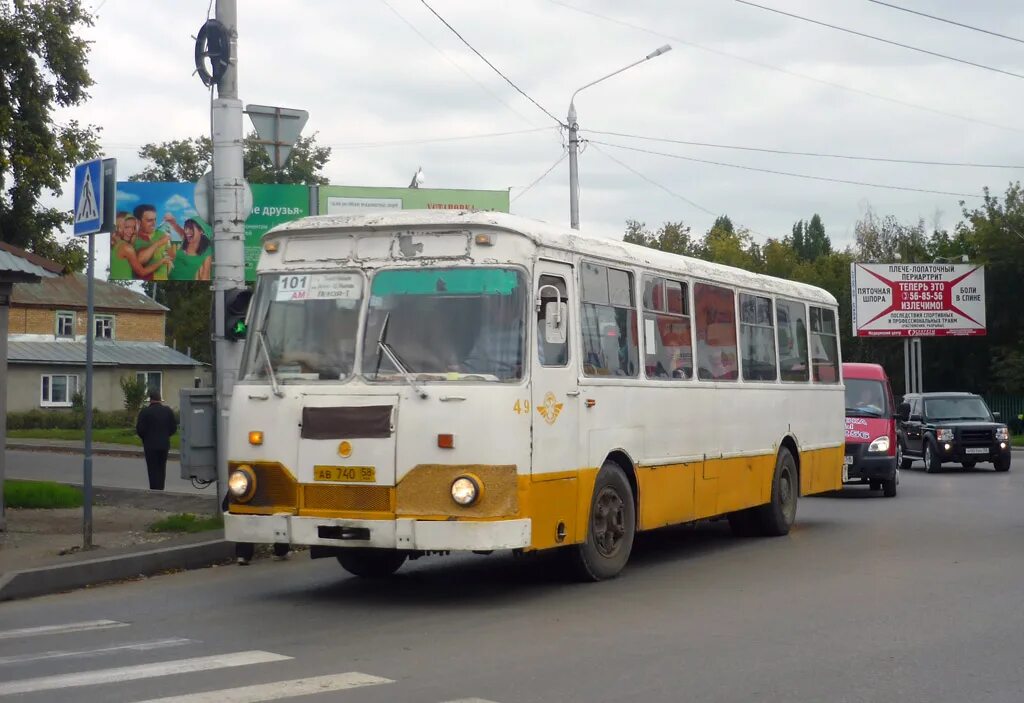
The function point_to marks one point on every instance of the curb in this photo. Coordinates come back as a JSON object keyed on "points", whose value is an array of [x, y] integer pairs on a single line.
{"points": [[64, 577], [172, 455]]}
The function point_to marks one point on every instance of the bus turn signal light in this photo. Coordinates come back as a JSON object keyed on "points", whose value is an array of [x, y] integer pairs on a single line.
{"points": [[256, 438]]}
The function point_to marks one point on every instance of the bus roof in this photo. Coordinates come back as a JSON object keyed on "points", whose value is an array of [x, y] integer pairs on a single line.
{"points": [[555, 237]]}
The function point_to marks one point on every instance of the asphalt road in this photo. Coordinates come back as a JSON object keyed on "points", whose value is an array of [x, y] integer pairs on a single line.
{"points": [[116, 472], [916, 598]]}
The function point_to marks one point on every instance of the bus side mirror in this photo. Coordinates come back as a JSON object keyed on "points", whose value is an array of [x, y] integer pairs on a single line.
{"points": [[904, 412], [555, 322]]}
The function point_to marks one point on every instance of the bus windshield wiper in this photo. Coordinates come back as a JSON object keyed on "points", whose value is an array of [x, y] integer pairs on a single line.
{"points": [[384, 348], [261, 339]]}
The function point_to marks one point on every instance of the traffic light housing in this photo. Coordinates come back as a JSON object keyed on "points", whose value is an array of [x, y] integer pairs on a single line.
{"points": [[236, 307]]}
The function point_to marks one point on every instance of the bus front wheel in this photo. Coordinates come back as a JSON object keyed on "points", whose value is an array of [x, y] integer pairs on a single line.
{"points": [[611, 527], [775, 518], [371, 563]]}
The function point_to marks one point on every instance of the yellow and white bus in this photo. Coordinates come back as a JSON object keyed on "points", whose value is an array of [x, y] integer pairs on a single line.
{"points": [[436, 381]]}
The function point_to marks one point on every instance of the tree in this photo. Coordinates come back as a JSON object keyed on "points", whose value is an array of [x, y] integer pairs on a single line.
{"points": [[886, 239], [809, 240], [673, 237], [42, 68], [188, 159]]}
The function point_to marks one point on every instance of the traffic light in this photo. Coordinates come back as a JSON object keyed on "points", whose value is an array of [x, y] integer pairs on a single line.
{"points": [[236, 306]]}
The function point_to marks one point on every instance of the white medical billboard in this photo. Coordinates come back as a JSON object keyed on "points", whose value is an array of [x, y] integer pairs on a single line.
{"points": [[917, 300]]}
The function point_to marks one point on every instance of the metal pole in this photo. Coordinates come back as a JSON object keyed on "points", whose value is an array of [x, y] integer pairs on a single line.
{"points": [[228, 230], [574, 173], [89, 339], [906, 366], [920, 366], [5, 301]]}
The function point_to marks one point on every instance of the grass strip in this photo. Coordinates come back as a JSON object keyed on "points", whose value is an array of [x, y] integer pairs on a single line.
{"points": [[40, 494], [187, 522]]}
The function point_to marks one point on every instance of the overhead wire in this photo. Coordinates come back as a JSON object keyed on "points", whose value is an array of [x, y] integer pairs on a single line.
{"points": [[787, 173], [767, 150], [947, 21], [880, 39], [671, 192], [786, 71], [493, 67], [540, 178], [454, 63]]}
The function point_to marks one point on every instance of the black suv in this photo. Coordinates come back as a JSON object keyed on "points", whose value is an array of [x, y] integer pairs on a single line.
{"points": [[950, 427]]}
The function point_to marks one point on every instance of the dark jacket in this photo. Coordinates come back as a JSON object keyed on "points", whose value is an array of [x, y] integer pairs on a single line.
{"points": [[155, 426]]}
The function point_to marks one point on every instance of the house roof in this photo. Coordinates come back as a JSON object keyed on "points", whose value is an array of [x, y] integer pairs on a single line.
{"points": [[104, 354], [14, 260], [70, 291]]}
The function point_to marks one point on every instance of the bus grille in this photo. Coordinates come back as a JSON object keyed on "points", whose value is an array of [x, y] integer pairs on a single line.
{"points": [[346, 498], [274, 488]]}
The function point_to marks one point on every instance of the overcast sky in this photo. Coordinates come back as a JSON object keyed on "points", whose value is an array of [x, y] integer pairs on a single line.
{"points": [[380, 71]]}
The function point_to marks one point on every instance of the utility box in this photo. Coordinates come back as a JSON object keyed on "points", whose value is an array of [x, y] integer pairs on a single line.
{"points": [[198, 409]]}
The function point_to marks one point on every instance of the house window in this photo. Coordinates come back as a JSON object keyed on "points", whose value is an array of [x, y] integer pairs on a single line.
{"points": [[56, 390], [104, 326], [152, 379], [65, 324]]}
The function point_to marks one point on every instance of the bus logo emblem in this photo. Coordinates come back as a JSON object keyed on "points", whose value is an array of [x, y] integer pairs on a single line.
{"points": [[550, 409]]}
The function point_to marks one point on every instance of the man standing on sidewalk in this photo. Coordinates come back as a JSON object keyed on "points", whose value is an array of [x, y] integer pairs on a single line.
{"points": [[155, 426]]}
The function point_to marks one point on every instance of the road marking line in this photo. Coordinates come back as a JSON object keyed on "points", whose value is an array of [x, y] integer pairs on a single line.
{"points": [[64, 654], [278, 689], [141, 671], [470, 700], [61, 629]]}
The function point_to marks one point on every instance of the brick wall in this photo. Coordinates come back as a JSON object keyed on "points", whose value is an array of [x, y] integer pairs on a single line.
{"points": [[128, 326]]}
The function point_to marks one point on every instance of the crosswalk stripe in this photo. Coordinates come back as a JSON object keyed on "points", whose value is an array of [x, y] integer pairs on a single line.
{"points": [[278, 689], [66, 654], [141, 671], [61, 629]]}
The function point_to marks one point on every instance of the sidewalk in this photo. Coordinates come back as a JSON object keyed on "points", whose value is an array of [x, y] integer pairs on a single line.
{"points": [[74, 446]]}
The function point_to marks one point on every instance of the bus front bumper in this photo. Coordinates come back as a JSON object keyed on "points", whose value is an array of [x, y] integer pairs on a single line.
{"points": [[416, 535]]}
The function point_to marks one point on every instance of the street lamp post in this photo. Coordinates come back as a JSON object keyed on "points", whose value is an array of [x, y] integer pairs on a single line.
{"points": [[574, 142]]}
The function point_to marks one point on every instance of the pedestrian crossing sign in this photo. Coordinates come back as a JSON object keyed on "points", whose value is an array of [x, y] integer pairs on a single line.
{"points": [[89, 197]]}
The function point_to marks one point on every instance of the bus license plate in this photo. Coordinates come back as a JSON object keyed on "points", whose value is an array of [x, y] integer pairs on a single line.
{"points": [[355, 474], [976, 450]]}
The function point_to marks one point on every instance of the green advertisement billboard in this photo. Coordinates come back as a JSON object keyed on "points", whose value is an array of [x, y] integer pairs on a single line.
{"points": [[348, 200], [271, 205]]}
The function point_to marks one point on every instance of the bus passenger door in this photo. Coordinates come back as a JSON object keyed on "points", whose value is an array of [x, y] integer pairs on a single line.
{"points": [[555, 397]]}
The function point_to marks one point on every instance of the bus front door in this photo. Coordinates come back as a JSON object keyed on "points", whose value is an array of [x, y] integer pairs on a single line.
{"points": [[556, 402]]}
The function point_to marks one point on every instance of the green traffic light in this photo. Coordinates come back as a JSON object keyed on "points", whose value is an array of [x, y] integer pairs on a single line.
{"points": [[240, 328]]}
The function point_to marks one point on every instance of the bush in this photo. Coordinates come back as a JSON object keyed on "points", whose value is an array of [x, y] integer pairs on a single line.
{"points": [[70, 420], [135, 391], [40, 494]]}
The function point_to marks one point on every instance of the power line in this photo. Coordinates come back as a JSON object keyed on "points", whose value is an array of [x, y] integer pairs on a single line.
{"points": [[666, 189], [779, 69], [804, 153], [880, 39], [942, 19], [493, 67], [542, 176], [447, 58], [787, 173], [397, 142]]}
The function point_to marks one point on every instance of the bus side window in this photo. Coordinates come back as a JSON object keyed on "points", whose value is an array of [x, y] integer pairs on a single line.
{"points": [[557, 353]]}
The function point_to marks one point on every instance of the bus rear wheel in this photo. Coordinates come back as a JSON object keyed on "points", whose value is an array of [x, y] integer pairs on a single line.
{"points": [[610, 530], [775, 518], [371, 563]]}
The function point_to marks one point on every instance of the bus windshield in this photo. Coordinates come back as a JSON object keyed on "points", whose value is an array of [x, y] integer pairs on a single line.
{"points": [[452, 324], [303, 327]]}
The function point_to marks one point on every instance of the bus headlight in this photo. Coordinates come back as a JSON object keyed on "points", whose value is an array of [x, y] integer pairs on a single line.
{"points": [[242, 484], [466, 490], [879, 445]]}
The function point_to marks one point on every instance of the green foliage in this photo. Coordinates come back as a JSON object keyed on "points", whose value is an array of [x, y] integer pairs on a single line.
{"points": [[69, 420], [135, 391], [187, 522], [809, 240], [42, 69], [188, 159], [106, 435], [673, 237], [40, 494], [78, 402]]}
